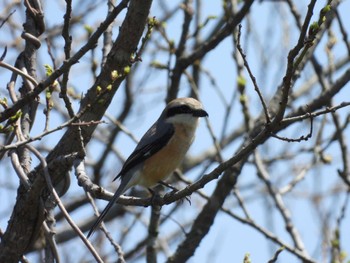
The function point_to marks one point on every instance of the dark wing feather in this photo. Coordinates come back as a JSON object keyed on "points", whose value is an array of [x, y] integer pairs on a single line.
{"points": [[153, 140]]}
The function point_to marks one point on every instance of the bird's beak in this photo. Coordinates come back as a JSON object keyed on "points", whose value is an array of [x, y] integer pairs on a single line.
{"points": [[200, 113]]}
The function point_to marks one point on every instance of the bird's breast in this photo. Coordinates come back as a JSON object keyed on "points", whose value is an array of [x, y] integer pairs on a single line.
{"points": [[160, 165]]}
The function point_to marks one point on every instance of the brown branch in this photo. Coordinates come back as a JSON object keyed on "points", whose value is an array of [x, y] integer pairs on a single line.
{"points": [[183, 62], [256, 87], [280, 205], [293, 53], [67, 49], [60, 204], [301, 138], [66, 65], [28, 201], [153, 231]]}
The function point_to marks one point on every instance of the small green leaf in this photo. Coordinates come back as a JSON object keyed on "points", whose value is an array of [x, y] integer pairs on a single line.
{"points": [[126, 70], [114, 75], [15, 117], [88, 29], [48, 94], [243, 98], [326, 9], [4, 103], [48, 69], [98, 89], [241, 81]]}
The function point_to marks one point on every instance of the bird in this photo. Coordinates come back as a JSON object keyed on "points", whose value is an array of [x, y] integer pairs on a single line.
{"points": [[160, 150]]}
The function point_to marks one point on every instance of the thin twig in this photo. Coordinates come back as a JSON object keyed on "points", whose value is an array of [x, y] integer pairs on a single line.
{"points": [[19, 72], [65, 66], [301, 138], [284, 211], [256, 87], [60, 204], [42, 135]]}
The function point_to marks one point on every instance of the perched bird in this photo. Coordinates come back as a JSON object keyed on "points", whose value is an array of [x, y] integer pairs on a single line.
{"points": [[160, 150]]}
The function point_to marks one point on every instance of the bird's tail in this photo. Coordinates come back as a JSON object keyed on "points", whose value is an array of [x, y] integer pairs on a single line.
{"points": [[121, 189]]}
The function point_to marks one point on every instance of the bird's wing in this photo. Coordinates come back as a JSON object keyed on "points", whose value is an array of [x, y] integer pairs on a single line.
{"points": [[153, 140]]}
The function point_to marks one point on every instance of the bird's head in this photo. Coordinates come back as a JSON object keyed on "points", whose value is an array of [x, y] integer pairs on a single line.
{"points": [[184, 111]]}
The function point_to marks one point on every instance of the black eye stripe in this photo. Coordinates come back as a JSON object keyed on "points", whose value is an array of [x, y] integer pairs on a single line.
{"points": [[182, 109]]}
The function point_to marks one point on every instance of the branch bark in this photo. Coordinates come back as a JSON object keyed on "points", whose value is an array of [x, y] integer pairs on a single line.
{"points": [[28, 213]]}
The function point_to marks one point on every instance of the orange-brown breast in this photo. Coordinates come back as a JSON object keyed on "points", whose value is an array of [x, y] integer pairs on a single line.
{"points": [[159, 166]]}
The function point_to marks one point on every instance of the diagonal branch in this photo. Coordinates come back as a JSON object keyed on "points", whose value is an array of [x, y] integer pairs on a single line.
{"points": [[28, 213]]}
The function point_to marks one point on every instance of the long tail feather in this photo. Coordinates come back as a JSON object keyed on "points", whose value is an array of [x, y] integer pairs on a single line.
{"points": [[122, 188]]}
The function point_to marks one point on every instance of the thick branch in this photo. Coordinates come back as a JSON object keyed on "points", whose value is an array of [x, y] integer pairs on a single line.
{"points": [[28, 213]]}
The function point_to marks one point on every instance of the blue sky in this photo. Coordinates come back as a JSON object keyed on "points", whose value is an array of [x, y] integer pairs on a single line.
{"points": [[228, 240]]}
